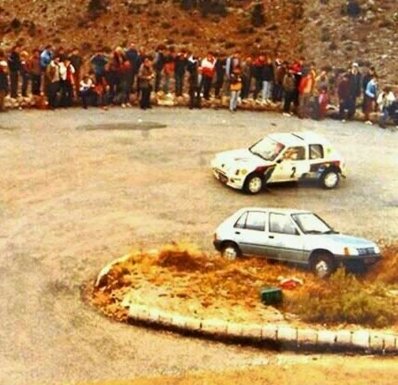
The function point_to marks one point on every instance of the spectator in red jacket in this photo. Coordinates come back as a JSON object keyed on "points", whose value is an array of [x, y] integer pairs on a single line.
{"points": [[208, 71]]}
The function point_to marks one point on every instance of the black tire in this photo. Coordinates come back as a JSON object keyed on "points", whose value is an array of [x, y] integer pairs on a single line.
{"points": [[230, 251], [254, 183], [330, 179], [323, 265]]}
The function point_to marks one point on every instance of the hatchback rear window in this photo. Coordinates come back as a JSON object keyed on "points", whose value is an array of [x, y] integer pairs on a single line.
{"points": [[252, 220]]}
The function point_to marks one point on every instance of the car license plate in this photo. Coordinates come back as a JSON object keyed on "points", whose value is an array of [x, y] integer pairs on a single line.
{"points": [[370, 261], [221, 177]]}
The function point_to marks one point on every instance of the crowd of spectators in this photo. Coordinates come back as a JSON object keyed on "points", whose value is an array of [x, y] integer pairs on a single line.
{"points": [[66, 77]]}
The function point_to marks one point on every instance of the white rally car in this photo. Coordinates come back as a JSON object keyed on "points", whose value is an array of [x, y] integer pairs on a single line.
{"points": [[280, 157]]}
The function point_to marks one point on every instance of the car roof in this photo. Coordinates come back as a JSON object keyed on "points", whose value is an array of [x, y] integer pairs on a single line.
{"points": [[274, 210], [298, 138]]}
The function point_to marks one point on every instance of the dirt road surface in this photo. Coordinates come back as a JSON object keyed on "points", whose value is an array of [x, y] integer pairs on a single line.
{"points": [[73, 198]]}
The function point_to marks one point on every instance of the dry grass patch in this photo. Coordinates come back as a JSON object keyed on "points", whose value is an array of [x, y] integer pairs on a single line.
{"points": [[182, 279]]}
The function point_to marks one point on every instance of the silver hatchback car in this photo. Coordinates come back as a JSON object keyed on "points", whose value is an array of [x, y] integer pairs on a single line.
{"points": [[295, 236]]}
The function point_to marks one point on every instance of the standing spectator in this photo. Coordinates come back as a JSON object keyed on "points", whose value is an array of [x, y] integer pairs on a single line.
{"points": [[35, 72], [53, 81], [115, 73], [323, 101], [158, 65], [370, 98], [385, 101], [98, 62], [235, 81], [46, 57], [343, 93], [247, 75], [289, 90], [180, 67], [25, 72], [168, 69], [258, 69], [140, 59], [86, 88], [267, 80], [306, 89], [220, 70], [101, 90], [125, 76], [297, 66], [14, 67], [208, 71], [145, 76], [230, 64], [77, 62], [365, 80], [354, 88], [194, 82], [133, 57], [66, 83], [3, 79], [280, 69]]}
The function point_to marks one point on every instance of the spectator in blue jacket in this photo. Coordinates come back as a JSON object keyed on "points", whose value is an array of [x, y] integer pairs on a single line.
{"points": [[370, 98]]}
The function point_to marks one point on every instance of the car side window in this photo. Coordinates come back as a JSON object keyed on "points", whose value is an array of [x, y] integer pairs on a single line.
{"points": [[281, 223], [295, 153], [256, 220], [316, 151], [241, 222]]}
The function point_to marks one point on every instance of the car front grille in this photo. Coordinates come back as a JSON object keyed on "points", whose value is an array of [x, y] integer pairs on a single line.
{"points": [[366, 251]]}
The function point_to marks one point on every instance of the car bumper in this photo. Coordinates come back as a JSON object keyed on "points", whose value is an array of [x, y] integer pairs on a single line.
{"points": [[234, 181], [367, 260], [217, 244]]}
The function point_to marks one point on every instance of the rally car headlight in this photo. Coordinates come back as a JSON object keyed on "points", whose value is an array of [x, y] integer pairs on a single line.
{"points": [[377, 249], [241, 171], [350, 251]]}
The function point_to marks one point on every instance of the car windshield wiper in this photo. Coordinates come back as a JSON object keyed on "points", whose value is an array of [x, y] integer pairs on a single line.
{"points": [[314, 232], [256, 153], [330, 232]]}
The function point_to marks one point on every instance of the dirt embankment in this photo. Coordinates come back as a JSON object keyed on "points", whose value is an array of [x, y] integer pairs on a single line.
{"points": [[321, 30]]}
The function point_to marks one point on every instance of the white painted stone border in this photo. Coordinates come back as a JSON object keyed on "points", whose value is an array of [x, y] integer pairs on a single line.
{"points": [[367, 341]]}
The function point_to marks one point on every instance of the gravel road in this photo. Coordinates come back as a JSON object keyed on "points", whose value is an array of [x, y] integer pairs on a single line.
{"points": [[75, 195]]}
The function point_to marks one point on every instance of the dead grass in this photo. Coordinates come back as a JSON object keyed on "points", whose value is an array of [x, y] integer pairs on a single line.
{"points": [[182, 278]]}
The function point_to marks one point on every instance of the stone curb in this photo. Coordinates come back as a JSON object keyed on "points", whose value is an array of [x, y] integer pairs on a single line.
{"points": [[290, 337]]}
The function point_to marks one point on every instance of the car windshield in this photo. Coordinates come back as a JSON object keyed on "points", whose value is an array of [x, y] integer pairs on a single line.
{"points": [[311, 224], [267, 148]]}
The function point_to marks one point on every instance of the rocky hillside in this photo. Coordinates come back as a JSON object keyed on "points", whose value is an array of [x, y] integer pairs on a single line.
{"points": [[319, 29]]}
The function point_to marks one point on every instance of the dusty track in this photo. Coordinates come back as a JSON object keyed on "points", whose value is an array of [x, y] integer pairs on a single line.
{"points": [[72, 200]]}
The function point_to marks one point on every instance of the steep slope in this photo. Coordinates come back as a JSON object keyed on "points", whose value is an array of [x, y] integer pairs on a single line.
{"points": [[319, 29]]}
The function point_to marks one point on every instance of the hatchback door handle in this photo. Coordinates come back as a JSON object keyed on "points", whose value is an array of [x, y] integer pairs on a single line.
{"points": [[271, 236], [237, 232]]}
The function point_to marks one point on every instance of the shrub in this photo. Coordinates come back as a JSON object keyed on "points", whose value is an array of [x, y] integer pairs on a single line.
{"points": [[343, 299], [96, 6]]}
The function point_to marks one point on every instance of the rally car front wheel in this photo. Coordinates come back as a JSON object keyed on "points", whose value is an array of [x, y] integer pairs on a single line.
{"points": [[254, 183]]}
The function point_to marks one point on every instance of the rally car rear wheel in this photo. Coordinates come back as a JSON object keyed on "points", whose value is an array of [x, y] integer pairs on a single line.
{"points": [[330, 179], [254, 183]]}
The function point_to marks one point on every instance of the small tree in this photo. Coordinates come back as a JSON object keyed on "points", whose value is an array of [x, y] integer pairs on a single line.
{"points": [[257, 14], [96, 6]]}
